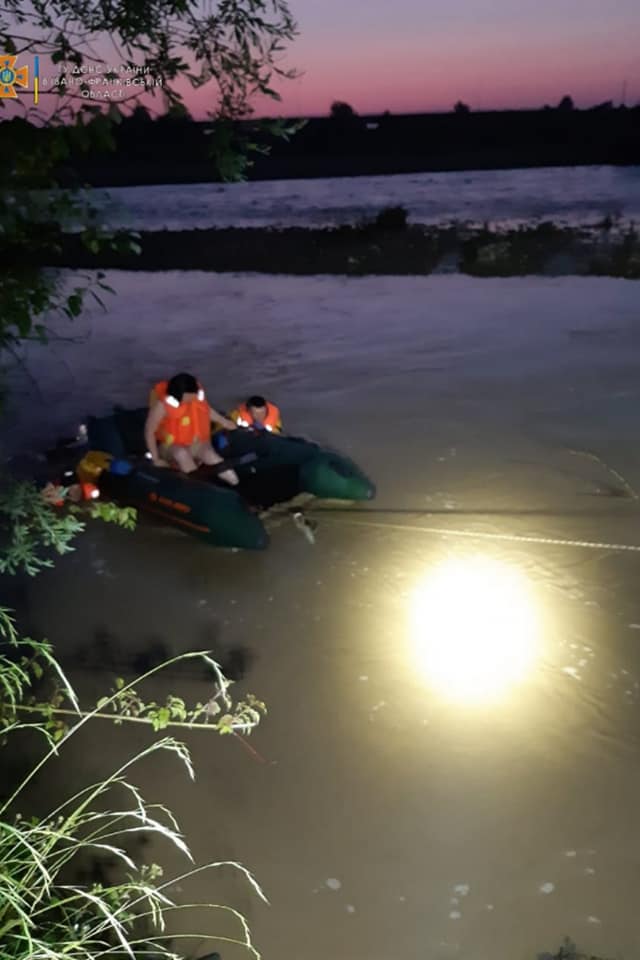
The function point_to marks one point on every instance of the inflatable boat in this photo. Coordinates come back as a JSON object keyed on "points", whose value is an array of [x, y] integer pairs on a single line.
{"points": [[271, 469]]}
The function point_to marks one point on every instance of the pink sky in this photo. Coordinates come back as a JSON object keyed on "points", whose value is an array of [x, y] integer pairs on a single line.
{"points": [[410, 56], [420, 55]]}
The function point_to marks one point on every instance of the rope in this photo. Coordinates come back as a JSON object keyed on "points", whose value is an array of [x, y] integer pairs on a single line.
{"points": [[476, 535]]}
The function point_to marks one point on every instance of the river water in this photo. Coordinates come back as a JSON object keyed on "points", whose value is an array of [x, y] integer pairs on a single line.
{"points": [[384, 818], [571, 195]]}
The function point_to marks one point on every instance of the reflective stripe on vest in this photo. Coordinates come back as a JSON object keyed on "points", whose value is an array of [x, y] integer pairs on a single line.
{"points": [[271, 422]]}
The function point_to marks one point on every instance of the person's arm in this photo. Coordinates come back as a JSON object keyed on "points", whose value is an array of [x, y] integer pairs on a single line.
{"points": [[154, 420], [220, 419]]}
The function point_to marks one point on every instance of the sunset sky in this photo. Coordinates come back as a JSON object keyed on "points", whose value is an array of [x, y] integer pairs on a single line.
{"points": [[412, 56], [415, 55]]}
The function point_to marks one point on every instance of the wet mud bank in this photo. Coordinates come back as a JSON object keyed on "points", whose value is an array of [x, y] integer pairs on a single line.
{"points": [[386, 246]]}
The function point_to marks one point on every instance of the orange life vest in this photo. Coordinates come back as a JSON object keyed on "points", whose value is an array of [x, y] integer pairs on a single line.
{"points": [[272, 422], [183, 423]]}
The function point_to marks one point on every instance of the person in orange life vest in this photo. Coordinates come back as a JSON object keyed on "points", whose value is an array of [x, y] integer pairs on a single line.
{"points": [[178, 426], [259, 414]]}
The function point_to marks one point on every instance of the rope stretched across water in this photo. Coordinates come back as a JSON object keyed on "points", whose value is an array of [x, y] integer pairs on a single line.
{"points": [[479, 535], [518, 538]]}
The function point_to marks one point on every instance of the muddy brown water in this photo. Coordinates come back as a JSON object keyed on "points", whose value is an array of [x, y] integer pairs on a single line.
{"points": [[382, 819]]}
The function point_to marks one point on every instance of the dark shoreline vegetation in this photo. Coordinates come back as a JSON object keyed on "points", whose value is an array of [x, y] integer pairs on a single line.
{"points": [[174, 148], [388, 245]]}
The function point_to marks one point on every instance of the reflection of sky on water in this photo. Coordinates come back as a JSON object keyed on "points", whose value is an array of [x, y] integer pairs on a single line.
{"points": [[574, 195]]}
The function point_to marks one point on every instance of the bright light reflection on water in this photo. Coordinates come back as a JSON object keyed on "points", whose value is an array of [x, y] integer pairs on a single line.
{"points": [[475, 629]]}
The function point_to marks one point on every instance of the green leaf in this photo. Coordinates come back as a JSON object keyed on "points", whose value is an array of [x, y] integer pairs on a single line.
{"points": [[161, 719], [114, 114]]}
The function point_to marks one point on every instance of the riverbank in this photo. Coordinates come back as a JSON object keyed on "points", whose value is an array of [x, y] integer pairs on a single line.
{"points": [[387, 245]]}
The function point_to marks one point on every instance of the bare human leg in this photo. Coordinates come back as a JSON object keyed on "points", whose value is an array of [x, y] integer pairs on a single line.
{"points": [[208, 455], [183, 458]]}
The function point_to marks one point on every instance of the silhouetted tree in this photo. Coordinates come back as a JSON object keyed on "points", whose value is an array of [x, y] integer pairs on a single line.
{"points": [[566, 104], [344, 121], [605, 105], [461, 107], [342, 111], [140, 116], [177, 112], [137, 124]]}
